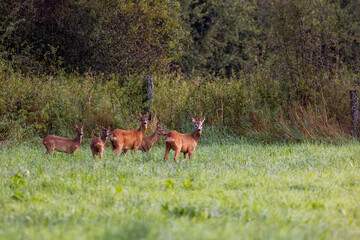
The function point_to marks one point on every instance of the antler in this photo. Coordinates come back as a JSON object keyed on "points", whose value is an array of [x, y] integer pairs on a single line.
{"points": [[195, 116]]}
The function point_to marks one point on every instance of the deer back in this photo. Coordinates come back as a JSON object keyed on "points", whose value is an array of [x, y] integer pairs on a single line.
{"points": [[61, 144], [129, 137], [186, 142], [126, 137], [149, 141]]}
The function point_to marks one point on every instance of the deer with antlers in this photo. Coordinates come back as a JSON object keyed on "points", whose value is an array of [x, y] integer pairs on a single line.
{"points": [[185, 143], [149, 141], [61, 144], [126, 139], [97, 144]]}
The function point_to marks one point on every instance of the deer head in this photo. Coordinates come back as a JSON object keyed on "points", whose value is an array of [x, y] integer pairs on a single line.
{"points": [[198, 122], [144, 119], [105, 131], [159, 128], [79, 130]]}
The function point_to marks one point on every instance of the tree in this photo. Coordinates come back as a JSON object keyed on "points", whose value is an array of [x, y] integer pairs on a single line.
{"points": [[120, 37], [221, 36]]}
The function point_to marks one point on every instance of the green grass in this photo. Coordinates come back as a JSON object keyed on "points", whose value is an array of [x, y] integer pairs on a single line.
{"points": [[228, 191]]}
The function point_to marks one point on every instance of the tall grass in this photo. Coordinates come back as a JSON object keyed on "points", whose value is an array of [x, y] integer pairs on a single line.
{"points": [[232, 191]]}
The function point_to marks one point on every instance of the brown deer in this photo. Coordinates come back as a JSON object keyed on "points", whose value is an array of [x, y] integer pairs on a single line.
{"points": [[97, 144], [61, 144], [126, 139], [149, 141], [185, 143]]}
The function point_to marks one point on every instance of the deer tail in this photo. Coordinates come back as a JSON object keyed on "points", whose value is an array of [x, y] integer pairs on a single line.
{"points": [[111, 137]]}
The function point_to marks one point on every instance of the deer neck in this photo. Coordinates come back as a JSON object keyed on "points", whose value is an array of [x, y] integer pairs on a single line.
{"points": [[103, 138], [196, 135], [142, 129], [78, 139], [154, 137]]}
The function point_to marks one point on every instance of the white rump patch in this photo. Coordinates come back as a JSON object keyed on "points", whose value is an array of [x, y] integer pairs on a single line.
{"points": [[170, 139]]}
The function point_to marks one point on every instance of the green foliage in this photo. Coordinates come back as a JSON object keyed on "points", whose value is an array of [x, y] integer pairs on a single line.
{"points": [[36, 106], [298, 38], [169, 183], [222, 102], [47, 105], [220, 33], [122, 37]]}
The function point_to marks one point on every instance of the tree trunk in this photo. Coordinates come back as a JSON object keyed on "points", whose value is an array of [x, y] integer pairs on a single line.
{"points": [[148, 93], [354, 96]]}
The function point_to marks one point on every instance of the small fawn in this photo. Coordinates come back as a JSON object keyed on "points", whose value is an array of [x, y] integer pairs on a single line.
{"points": [[126, 139], [61, 144], [97, 144], [185, 143], [149, 141]]}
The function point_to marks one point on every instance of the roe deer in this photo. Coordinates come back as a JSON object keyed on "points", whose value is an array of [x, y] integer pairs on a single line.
{"points": [[148, 141], [185, 143], [126, 139], [97, 144], [61, 144]]}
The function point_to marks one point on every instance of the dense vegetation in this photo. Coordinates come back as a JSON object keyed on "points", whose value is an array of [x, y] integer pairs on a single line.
{"points": [[266, 69]]}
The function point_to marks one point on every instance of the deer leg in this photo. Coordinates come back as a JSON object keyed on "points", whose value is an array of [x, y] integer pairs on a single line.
{"points": [[167, 150], [101, 152], [190, 155], [135, 148], [49, 148], [124, 151], [177, 152], [93, 153], [117, 149], [185, 154]]}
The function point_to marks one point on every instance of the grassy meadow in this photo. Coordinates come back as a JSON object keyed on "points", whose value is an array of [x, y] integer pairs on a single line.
{"points": [[233, 190]]}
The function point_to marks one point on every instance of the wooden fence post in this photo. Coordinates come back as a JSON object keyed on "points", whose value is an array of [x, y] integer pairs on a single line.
{"points": [[354, 96], [148, 93]]}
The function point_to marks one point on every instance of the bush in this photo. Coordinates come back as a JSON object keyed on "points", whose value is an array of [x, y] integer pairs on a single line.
{"points": [[36, 106]]}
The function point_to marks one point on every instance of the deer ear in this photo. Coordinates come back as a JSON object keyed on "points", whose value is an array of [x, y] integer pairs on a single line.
{"points": [[193, 120], [109, 128], [75, 126], [140, 116], [82, 125]]}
